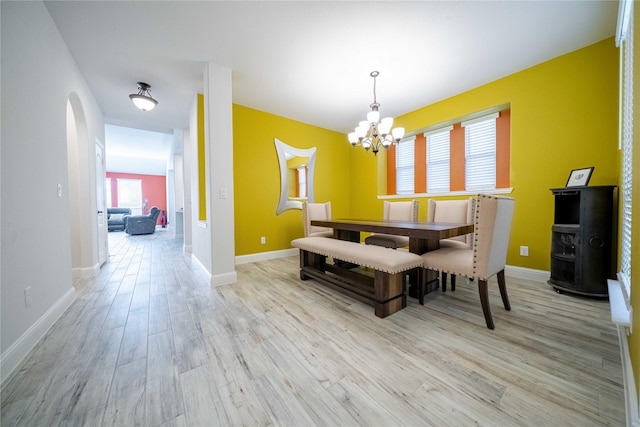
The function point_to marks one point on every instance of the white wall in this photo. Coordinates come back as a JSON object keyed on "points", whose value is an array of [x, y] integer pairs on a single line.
{"points": [[220, 198], [35, 224], [213, 240]]}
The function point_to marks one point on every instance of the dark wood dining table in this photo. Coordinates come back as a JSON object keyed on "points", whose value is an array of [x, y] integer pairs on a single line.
{"points": [[423, 237]]}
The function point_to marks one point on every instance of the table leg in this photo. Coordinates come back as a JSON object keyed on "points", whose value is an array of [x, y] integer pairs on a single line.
{"points": [[421, 246]]}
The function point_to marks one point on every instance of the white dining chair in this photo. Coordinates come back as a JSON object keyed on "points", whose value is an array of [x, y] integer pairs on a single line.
{"points": [[485, 258], [316, 211], [458, 211], [401, 211]]}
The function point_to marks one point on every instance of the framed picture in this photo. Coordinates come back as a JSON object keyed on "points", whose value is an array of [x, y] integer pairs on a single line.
{"points": [[579, 177]]}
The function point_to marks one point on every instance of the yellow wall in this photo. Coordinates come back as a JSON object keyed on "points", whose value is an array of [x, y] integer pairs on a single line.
{"points": [[202, 181], [257, 177], [563, 117]]}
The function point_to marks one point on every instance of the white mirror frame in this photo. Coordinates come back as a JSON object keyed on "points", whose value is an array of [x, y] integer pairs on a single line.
{"points": [[283, 149]]}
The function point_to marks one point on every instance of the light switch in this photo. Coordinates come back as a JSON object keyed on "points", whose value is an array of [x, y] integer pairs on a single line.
{"points": [[223, 193], [59, 190]]}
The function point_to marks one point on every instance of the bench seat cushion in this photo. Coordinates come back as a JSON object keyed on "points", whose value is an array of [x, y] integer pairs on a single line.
{"points": [[376, 257]]}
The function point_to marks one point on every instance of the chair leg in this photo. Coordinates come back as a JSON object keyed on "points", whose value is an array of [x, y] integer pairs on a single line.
{"points": [[453, 282], [444, 282], [483, 290], [502, 284]]}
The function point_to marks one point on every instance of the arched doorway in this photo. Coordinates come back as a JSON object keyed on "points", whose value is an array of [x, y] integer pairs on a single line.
{"points": [[87, 220]]}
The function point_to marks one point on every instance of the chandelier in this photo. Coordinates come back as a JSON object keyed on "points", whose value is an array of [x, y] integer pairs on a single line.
{"points": [[143, 99], [373, 132]]}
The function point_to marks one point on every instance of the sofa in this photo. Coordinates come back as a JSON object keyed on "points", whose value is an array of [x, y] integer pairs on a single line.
{"points": [[142, 224], [115, 218]]}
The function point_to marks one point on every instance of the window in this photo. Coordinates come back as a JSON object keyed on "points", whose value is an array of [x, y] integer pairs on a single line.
{"points": [[455, 157], [108, 192], [404, 166], [480, 153], [130, 195], [625, 41], [438, 160]]}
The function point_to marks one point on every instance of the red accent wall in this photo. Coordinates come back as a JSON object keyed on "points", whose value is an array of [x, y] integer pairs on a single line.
{"points": [[154, 189]]}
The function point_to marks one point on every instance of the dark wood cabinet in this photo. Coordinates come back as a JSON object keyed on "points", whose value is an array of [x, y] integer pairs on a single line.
{"points": [[581, 240]]}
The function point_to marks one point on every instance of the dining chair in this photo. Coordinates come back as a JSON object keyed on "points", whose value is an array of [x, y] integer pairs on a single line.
{"points": [[401, 211], [316, 211], [486, 256], [460, 211]]}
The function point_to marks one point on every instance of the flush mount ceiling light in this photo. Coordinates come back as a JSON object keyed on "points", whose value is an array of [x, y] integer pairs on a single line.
{"points": [[373, 132], [143, 99]]}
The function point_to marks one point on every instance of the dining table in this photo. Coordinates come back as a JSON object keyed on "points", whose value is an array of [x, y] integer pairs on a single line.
{"points": [[423, 237]]}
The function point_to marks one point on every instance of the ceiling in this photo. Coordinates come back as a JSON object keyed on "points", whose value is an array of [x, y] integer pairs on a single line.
{"points": [[310, 61]]}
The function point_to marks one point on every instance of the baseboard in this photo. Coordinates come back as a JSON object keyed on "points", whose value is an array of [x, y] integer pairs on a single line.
{"points": [[630, 393], [224, 279], [527, 273], [265, 256], [16, 354], [85, 272]]}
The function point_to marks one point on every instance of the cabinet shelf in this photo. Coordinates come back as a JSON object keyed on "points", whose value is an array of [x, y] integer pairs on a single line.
{"points": [[582, 216], [565, 257]]}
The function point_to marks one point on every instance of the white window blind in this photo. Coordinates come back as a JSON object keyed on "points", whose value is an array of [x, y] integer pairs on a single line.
{"points": [[438, 160], [404, 166], [626, 52], [480, 153], [302, 182]]}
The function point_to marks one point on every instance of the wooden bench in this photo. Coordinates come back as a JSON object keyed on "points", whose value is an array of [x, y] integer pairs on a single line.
{"points": [[382, 286]]}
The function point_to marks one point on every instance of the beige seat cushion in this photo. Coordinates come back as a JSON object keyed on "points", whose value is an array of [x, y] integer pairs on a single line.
{"points": [[375, 257], [451, 260]]}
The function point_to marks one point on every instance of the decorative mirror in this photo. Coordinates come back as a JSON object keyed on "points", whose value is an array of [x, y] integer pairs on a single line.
{"points": [[296, 175]]}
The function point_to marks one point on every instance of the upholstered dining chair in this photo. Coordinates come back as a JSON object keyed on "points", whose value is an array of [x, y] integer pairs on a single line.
{"points": [[460, 211], [317, 211], [487, 256], [399, 211]]}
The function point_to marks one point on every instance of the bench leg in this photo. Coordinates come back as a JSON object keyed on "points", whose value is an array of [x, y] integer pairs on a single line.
{"points": [[389, 293], [309, 259]]}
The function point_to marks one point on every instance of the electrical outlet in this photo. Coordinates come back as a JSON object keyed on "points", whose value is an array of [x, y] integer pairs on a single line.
{"points": [[263, 240], [27, 296], [524, 250]]}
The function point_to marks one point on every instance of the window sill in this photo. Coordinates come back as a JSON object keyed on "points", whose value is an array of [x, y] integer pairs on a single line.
{"points": [[620, 314], [448, 194]]}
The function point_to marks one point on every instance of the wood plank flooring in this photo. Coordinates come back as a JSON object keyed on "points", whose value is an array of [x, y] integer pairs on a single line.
{"points": [[150, 343]]}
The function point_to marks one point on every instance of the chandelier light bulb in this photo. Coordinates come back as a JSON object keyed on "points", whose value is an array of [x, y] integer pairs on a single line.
{"points": [[397, 133], [385, 126], [373, 116]]}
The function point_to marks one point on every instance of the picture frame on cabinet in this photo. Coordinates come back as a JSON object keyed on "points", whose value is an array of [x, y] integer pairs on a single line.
{"points": [[579, 177]]}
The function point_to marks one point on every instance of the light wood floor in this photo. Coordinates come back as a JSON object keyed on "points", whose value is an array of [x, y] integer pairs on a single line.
{"points": [[149, 343]]}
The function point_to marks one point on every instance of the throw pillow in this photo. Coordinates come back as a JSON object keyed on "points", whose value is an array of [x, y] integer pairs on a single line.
{"points": [[116, 217]]}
